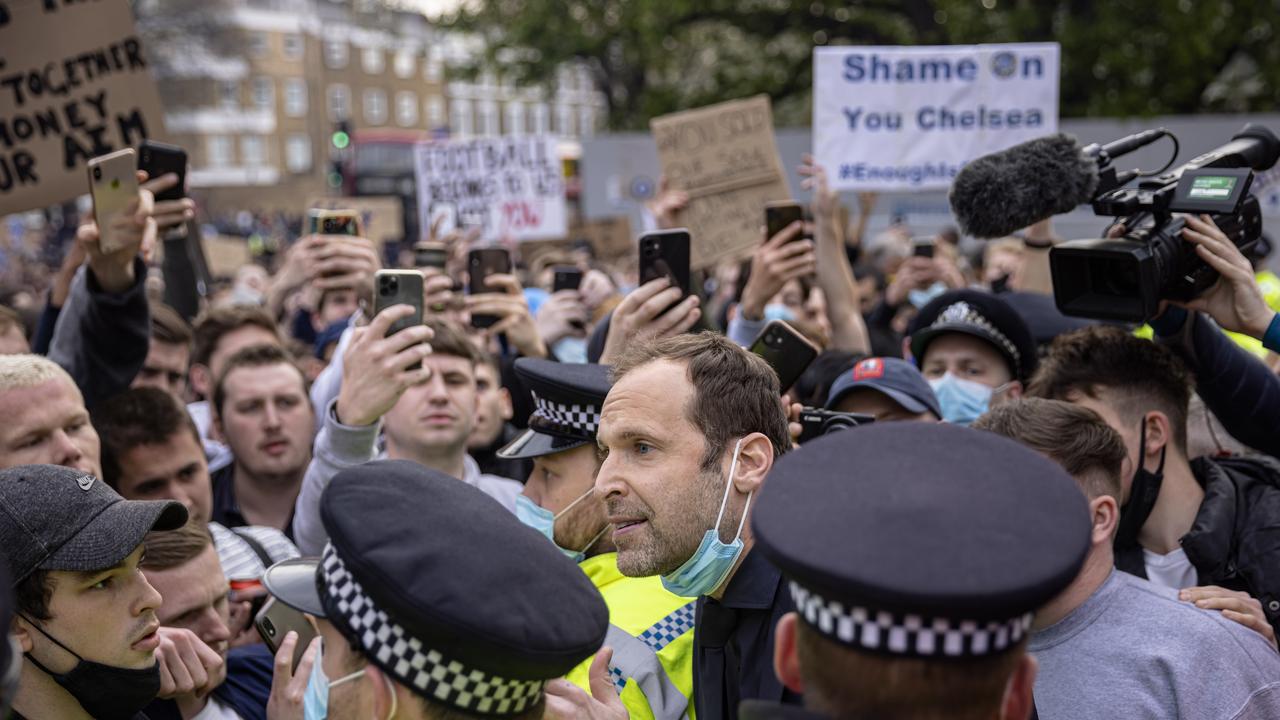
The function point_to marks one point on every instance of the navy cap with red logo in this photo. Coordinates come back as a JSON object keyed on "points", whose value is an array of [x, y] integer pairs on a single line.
{"points": [[894, 377]]}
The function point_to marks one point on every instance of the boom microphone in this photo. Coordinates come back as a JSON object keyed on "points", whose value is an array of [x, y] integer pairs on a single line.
{"points": [[998, 194]]}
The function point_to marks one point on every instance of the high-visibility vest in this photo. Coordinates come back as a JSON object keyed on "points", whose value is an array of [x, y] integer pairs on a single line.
{"points": [[651, 633]]}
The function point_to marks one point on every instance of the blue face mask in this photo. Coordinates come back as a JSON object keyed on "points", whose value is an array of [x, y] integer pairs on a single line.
{"points": [[315, 701], [919, 298], [778, 311], [711, 562], [961, 401], [541, 519]]}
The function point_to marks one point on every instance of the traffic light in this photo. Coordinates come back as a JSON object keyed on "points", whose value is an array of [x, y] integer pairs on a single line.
{"points": [[341, 138], [337, 174]]}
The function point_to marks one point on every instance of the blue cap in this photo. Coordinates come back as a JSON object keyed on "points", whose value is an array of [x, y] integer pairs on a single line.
{"points": [[894, 377]]}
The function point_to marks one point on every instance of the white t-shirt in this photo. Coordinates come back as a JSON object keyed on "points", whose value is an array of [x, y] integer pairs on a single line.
{"points": [[214, 710], [1172, 571]]}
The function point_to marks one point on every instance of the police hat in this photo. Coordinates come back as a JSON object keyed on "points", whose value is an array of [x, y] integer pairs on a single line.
{"points": [[445, 590], [982, 315], [567, 399], [922, 540]]}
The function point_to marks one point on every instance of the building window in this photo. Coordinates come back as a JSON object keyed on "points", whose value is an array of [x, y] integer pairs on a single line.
{"points": [[264, 92], [335, 53], [373, 60], [293, 46], [541, 119], [375, 106], [586, 121], [252, 150], [228, 94], [488, 118], [460, 118], [432, 70], [515, 118], [257, 44], [406, 109], [564, 120], [404, 63], [295, 97], [219, 149], [297, 153], [339, 100], [435, 112]]}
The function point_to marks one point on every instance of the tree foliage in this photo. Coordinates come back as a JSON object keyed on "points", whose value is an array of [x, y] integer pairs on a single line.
{"points": [[649, 57]]}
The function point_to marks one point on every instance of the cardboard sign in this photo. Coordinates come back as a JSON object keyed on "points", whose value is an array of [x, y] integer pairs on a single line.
{"points": [[225, 255], [381, 217], [610, 237], [908, 118], [725, 157], [74, 84], [510, 187]]}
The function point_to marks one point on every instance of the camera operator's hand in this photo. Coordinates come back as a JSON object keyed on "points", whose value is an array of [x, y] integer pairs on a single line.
{"points": [[667, 204], [794, 428], [1235, 302], [644, 314], [375, 368], [781, 259], [186, 663], [512, 310]]}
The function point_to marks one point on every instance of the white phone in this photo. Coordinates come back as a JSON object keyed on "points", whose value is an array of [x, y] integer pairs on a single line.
{"points": [[113, 182]]}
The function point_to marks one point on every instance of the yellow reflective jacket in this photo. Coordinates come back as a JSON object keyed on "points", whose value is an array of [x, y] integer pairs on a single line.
{"points": [[651, 633]]}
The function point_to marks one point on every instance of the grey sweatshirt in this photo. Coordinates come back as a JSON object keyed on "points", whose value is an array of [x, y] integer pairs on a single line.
{"points": [[1133, 650]]}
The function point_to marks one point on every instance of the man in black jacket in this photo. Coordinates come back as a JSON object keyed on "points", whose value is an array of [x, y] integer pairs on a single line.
{"points": [[1206, 526]]}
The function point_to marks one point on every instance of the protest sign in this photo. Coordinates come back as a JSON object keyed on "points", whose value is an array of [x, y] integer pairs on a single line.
{"points": [[510, 187], [610, 237], [74, 84], [224, 255], [382, 217], [725, 157], [908, 118]]}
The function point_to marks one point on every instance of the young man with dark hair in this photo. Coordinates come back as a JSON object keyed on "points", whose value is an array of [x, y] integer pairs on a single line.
{"points": [[1205, 522], [1132, 647], [169, 354], [262, 412], [425, 413], [689, 431], [218, 334], [493, 429], [183, 566]]}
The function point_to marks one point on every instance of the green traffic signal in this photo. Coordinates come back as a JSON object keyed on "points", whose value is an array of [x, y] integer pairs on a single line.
{"points": [[341, 140]]}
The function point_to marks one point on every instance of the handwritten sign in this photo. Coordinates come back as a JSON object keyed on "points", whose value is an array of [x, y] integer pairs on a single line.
{"points": [[725, 157], [908, 118], [510, 187], [382, 217], [74, 84]]}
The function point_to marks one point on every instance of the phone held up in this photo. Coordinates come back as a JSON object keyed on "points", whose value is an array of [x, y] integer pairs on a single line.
{"points": [[780, 215], [276, 619], [665, 254], [113, 183], [481, 263], [157, 159], [787, 351], [565, 277]]}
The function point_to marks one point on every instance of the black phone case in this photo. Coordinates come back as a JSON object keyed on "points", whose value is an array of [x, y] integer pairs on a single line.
{"points": [[665, 254], [776, 219], [566, 280], [787, 352], [160, 159], [481, 264]]}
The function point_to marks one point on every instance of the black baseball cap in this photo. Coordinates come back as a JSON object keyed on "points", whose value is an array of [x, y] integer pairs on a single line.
{"points": [[58, 518]]}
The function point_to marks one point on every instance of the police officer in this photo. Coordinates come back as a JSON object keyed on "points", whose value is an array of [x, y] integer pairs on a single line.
{"points": [[974, 349], [915, 585], [651, 629], [430, 598]]}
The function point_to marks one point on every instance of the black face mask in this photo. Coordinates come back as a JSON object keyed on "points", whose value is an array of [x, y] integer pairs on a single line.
{"points": [[104, 691], [1142, 496]]}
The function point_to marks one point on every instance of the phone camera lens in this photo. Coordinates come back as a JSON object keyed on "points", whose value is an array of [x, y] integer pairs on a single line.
{"points": [[269, 627], [97, 173]]}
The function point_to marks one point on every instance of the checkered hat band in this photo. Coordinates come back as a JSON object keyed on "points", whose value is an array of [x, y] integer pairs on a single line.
{"points": [[963, 313], [906, 634], [577, 418], [423, 669]]}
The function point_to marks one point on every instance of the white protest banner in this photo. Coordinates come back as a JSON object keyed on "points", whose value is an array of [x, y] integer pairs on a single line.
{"points": [[508, 186], [726, 158], [908, 118], [74, 84]]}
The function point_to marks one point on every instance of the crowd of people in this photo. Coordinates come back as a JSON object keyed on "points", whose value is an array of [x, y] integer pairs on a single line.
{"points": [[596, 503]]}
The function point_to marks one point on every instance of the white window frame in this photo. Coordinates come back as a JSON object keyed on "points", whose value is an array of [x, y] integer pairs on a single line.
{"points": [[297, 153], [404, 64], [336, 53], [373, 60], [228, 94], [293, 47], [258, 44], [332, 94], [436, 114], [295, 97], [374, 106], [406, 108], [515, 120], [253, 150], [219, 150], [460, 117], [541, 119], [263, 92]]}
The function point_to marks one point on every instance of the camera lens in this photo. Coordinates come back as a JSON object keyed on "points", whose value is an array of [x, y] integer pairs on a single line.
{"points": [[270, 628], [97, 173], [837, 422]]}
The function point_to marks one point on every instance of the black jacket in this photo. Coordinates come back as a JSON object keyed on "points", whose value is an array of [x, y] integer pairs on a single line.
{"points": [[1235, 540]]}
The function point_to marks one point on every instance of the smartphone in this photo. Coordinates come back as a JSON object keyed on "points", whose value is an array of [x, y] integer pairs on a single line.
{"points": [[922, 247], [566, 277], [113, 182], [815, 423], [398, 287], [665, 253], [340, 222], [481, 263], [158, 159], [786, 350], [276, 619], [430, 255], [779, 215]]}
